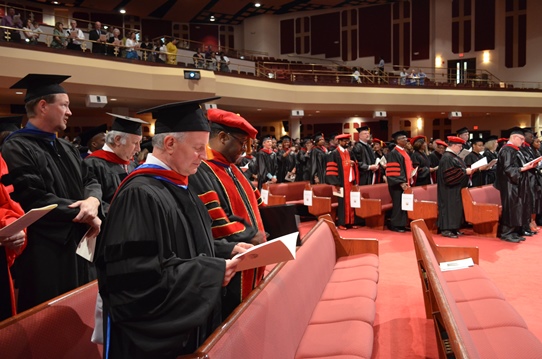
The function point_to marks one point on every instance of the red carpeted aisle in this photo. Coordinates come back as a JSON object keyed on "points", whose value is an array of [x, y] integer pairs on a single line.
{"points": [[401, 329]]}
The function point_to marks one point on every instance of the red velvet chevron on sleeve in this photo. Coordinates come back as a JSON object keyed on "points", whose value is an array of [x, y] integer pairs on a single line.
{"points": [[332, 169], [393, 169]]}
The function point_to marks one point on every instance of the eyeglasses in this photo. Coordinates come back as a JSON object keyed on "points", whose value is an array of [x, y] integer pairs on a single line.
{"points": [[243, 144]]}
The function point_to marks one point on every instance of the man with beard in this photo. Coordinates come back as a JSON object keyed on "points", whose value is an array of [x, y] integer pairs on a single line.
{"points": [[230, 199], [365, 156]]}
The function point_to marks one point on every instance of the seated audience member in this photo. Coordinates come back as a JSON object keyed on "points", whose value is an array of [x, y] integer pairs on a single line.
{"points": [[99, 37], [131, 46], [8, 21], [59, 40], [403, 76], [224, 63], [31, 33], [199, 60], [355, 76], [413, 78], [147, 46], [75, 36], [421, 77]]}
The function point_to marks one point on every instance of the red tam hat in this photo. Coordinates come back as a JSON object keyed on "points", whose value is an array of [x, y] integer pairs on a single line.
{"points": [[502, 139], [416, 138], [441, 142], [344, 136], [231, 119], [455, 139], [379, 141]]}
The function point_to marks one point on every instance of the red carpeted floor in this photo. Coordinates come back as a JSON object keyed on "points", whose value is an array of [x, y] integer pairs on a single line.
{"points": [[401, 329]]}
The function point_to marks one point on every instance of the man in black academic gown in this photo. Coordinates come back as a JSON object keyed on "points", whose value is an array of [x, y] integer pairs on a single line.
{"points": [[421, 161], [530, 181], [266, 163], [463, 133], [452, 176], [92, 140], [365, 156], [46, 170], [398, 172], [511, 168], [158, 271], [436, 155], [319, 160], [114, 161]]}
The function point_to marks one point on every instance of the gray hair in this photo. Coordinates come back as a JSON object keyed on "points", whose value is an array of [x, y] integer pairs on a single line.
{"points": [[158, 140], [110, 137]]}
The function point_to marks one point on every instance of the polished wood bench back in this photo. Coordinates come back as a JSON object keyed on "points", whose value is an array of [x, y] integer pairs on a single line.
{"points": [[425, 205], [482, 208], [60, 328], [375, 201]]}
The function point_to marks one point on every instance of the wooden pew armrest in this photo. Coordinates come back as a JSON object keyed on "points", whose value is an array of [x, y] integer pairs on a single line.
{"points": [[275, 199], [320, 206], [452, 253], [369, 208], [424, 210], [483, 212], [351, 246]]}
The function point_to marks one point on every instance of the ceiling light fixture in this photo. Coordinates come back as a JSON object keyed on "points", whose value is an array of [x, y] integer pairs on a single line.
{"points": [[18, 93], [257, 4], [112, 99], [122, 11], [212, 18], [55, 3]]}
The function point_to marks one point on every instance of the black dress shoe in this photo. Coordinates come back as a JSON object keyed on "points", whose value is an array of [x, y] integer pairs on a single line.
{"points": [[458, 233], [511, 239], [396, 229], [449, 234], [517, 236], [527, 233]]}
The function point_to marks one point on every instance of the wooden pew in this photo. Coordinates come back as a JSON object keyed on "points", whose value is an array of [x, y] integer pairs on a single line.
{"points": [[323, 200], [482, 208], [425, 205], [472, 318], [285, 193], [375, 201], [60, 328]]}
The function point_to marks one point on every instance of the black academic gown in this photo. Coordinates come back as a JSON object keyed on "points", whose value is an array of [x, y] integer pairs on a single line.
{"points": [[266, 166], [338, 174], [304, 165], [434, 159], [478, 178], [528, 182], [43, 174], [109, 175], [508, 181], [365, 156], [318, 165], [157, 272], [491, 172], [451, 177], [423, 175], [286, 163]]}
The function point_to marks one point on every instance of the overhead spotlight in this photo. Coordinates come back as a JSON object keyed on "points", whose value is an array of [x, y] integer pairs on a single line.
{"points": [[106, 27], [55, 2], [212, 18], [241, 57], [122, 11], [257, 4]]}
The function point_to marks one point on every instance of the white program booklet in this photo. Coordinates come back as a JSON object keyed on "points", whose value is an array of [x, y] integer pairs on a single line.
{"points": [[481, 162], [355, 199], [26, 220], [307, 197], [280, 249], [86, 247], [457, 264]]}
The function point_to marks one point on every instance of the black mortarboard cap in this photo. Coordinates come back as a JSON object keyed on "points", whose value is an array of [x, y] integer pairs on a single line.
{"points": [[462, 130], [528, 130], [491, 138], [186, 116], [398, 134], [10, 123], [516, 131], [39, 85], [127, 124], [286, 138], [87, 135], [363, 128], [147, 145], [478, 139]]}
